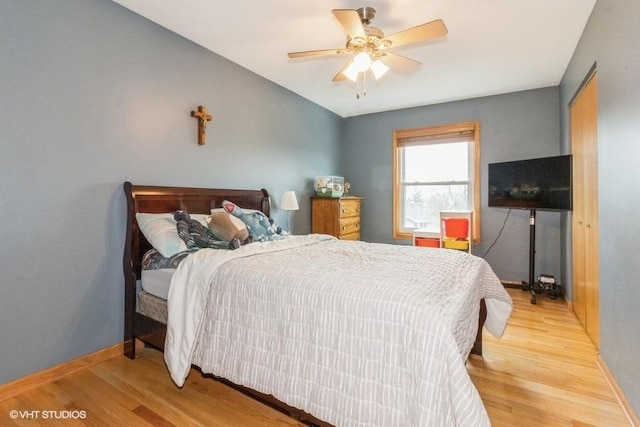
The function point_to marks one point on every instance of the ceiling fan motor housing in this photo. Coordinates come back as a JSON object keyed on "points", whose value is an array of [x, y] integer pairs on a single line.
{"points": [[366, 14], [373, 36]]}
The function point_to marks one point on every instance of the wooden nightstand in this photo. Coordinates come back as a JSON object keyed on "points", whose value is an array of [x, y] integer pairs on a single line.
{"points": [[339, 217]]}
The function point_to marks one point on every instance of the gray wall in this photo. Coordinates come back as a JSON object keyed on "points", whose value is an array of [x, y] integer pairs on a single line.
{"points": [[92, 95], [513, 126], [611, 39]]}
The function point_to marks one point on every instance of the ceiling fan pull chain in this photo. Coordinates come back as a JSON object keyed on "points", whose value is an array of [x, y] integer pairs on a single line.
{"points": [[361, 79], [364, 83]]}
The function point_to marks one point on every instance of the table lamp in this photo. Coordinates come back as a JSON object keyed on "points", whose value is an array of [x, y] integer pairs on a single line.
{"points": [[289, 203]]}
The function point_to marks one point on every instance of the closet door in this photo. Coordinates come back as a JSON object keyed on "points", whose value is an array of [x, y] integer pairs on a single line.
{"points": [[585, 238], [577, 223]]}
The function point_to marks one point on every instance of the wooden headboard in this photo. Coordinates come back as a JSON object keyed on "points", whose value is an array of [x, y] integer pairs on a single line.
{"points": [[152, 199]]}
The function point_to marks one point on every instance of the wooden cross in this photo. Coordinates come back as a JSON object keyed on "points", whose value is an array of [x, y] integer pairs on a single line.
{"points": [[203, 117]]}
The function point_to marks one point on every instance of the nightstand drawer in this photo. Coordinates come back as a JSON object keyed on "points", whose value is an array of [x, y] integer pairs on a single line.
{"points": [[349, 208], [349, 225], [350, 236]]}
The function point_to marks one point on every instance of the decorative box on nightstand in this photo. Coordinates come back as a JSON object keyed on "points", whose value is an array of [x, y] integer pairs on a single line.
{"points": [[339, 216]]}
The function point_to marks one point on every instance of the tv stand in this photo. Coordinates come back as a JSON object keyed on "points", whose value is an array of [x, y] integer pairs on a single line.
{"points": [[529, 286], [545, 284]]}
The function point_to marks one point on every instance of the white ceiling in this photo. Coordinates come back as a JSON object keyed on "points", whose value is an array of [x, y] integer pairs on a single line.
{"points": [[493, 46]]}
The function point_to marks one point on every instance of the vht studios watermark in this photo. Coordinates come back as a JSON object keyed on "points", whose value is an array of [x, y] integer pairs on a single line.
{"points": [[47, 415]]}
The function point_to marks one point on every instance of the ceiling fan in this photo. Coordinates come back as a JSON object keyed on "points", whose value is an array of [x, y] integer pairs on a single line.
{"points": [[369, 46]]}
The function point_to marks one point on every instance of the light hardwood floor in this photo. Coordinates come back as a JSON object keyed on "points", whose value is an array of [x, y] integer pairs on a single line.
{"points": [[542, 373]]}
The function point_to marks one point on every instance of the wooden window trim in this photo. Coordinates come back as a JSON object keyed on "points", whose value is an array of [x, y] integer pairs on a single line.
{"points": [[434, 132]]}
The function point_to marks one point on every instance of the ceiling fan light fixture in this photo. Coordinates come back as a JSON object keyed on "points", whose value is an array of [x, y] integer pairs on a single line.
{"points": [[351, 72], [379, 68], [362, 62]]}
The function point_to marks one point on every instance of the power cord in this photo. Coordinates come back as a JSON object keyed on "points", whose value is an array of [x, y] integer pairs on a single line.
{"points": [[499, 234]]}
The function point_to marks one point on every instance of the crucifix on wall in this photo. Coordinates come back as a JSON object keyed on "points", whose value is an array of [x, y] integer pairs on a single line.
{"points": [[203, 117]]}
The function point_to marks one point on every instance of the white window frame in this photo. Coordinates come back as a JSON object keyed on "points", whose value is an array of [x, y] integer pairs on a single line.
{"points": [[434, 135]]}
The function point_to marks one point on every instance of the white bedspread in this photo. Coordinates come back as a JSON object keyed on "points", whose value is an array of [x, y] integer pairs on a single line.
{"points": [[355, 333]]}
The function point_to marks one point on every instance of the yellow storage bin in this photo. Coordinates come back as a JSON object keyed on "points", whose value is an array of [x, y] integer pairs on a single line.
{"points": [[462, 245]]}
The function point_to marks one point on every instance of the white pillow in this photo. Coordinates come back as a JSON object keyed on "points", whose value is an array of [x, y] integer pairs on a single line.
{"points": [[160, 230]]}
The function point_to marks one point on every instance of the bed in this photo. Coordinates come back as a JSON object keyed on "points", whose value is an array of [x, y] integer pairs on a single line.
{"points": [[319, 328]]}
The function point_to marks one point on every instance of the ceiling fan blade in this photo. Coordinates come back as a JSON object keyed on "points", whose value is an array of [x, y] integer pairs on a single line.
{"points": [[341, 76], [350, 21], [323, 52], [399, 62], [421, 33]]}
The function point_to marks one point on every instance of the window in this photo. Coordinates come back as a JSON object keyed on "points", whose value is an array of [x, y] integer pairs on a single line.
{"points": [[435, 169]]}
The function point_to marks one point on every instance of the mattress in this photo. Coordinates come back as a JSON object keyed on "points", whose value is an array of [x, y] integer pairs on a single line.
{"points": [[152, 306], [157, 272], [156, 282]]}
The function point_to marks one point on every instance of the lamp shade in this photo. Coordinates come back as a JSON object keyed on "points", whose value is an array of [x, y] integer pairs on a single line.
{"points": [[289, 202]]}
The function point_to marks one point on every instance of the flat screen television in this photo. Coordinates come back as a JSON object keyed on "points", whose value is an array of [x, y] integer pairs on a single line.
{"points": [[543, 183]]}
